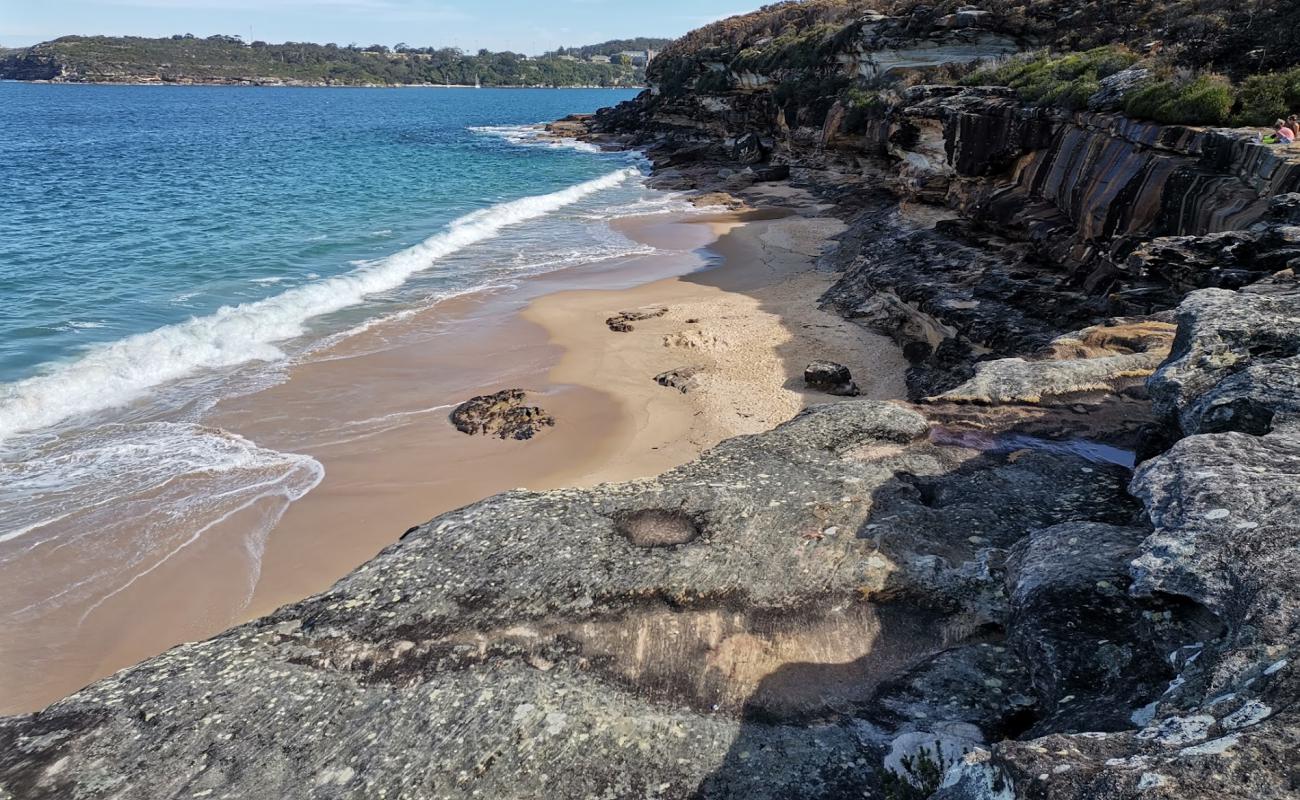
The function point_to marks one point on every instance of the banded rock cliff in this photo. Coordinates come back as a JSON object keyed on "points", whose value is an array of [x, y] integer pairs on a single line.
{"points": [[968, 596]]}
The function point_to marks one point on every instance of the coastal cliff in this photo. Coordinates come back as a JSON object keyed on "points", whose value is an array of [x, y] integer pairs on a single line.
{"points": [[1067, 569]]}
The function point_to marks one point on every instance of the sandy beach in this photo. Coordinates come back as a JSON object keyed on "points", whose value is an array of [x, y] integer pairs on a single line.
{"points": [[739, 294]]}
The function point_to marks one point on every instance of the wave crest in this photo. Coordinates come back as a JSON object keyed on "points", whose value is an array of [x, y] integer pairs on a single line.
{"points": [[116, 373]]}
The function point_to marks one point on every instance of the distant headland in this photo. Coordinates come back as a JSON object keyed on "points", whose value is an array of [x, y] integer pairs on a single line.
{"points": [[229, 60]]}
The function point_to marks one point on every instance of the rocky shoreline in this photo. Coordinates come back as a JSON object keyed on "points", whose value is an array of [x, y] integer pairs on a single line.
{"points": [[972, 595]]}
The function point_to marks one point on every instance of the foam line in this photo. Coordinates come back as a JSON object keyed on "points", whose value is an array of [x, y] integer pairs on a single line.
{"points": [[114, 374]]}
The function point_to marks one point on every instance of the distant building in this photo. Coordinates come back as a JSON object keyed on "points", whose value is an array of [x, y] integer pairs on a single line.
{"points": [[567, 57], [640, 58], [599, 59]]}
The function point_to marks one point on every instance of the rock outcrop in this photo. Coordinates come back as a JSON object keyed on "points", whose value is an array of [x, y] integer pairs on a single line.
{"points": [[727, 628], [1225, 542]]}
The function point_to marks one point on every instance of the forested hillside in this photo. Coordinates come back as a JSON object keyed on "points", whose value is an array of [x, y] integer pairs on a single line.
{"points": [[227, 59]]}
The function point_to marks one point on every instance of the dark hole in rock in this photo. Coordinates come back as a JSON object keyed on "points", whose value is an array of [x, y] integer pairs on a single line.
{"points": [[656, 527], [1017, 723]]}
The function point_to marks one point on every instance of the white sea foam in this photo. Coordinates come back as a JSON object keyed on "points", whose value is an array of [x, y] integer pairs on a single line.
{"points": [[114, 374], [673, 203], [75, 325], [534, 136], [127, 498]]}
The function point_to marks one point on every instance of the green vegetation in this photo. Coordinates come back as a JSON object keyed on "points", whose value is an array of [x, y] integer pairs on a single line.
{"points": [[1205, 99], [1265, 98], [792, 50], [227, 59], [860, 105], [613, 47], [1065, 81], [1175, 96], [807, 97], [924, 773], [1207, 62]]}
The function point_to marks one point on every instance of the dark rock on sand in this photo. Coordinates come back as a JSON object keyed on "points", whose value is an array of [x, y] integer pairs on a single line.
{"points": [[502, 415], [771, 173], [829, 377], [622, 321], [683, 379]]}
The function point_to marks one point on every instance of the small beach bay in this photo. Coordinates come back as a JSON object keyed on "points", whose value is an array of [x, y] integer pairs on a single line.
{"points": [[240, 317]]}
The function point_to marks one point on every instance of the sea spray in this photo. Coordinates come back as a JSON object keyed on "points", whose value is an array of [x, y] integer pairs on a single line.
{"points": [[116, 373]]}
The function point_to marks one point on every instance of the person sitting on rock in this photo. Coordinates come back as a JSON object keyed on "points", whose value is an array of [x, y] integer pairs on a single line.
{"points": [[1284, 134], [1293, 122]]}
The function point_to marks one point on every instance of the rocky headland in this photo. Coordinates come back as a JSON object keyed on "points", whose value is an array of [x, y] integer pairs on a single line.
{"points": [[1069, 567]]}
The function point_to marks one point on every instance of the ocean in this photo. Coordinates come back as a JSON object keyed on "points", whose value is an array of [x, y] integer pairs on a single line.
{"points": [[154, 232], [166, 249]]}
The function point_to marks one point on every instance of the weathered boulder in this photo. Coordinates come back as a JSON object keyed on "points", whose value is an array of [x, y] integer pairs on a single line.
{"points": [[1235, 364], [1115, 88], [683, 379], [1096, 655], [829, 377], [502, 415]]}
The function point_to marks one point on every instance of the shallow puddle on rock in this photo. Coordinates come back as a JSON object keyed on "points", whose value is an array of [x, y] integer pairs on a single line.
{"points": [[1087, 449]]}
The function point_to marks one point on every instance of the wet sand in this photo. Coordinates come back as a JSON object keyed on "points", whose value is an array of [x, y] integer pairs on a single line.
{"points": [[373, 411]]}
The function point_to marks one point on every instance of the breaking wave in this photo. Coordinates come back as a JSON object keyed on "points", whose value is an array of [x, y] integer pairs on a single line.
{"points": [[116, 373]]}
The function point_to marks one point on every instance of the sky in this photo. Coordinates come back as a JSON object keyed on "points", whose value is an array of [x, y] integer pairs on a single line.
{"points": [[528, 26]]}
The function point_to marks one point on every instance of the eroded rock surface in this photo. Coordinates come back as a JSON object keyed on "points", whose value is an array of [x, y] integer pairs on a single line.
{"points": [[1224, 554], [733, 627]]}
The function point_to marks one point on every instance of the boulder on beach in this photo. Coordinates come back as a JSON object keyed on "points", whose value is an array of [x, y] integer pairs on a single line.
{"points": [[683, 379], [502, 415], [829, 377]]}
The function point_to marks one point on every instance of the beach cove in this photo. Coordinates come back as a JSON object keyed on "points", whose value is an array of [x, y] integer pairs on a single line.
{"points": [[739, 291]]}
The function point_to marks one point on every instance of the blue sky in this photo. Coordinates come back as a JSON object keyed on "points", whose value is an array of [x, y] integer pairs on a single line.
{"points": [[529, 26]]}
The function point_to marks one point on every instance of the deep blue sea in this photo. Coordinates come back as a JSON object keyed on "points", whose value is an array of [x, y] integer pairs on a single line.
{"points": [[152, 233]]}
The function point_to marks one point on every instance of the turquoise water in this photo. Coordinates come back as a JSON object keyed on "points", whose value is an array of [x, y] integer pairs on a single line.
{"points": [[167, 248], [152, 234]]}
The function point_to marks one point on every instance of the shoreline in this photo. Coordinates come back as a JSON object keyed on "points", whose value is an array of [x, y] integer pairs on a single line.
{"points": [[614, 421], [250, 84]]}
